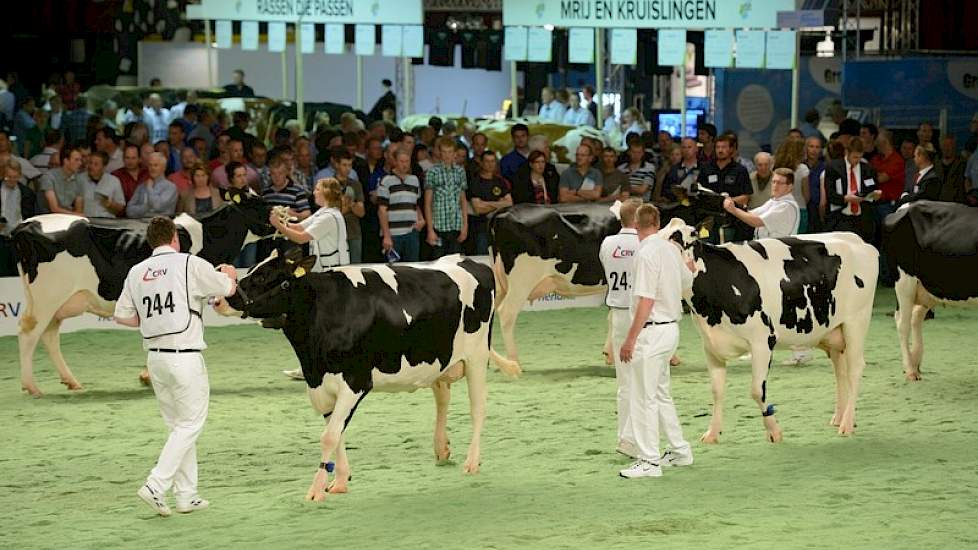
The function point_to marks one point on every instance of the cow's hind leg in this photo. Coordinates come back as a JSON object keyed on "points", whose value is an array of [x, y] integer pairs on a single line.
{"points": [[346, 404], [760, 367], [51, 338], [32, 326], [854, 333], [443, 395], [840, 366], [339, 483], [917, 340], [906, 288], [475, 377], [718, 379]]}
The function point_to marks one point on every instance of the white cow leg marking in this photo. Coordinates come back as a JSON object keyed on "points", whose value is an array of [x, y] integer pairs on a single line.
{"points": [[51, 338], [760, 366], [475, 376], [917, 340], [443, 395], [854, 332], [331, 437], [340, 482], [718, 380], [906, 289]]}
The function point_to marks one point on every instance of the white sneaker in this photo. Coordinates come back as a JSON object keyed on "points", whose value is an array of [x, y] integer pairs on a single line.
{"points": [[154, 499], [641, 468], [192, 506], [294, 374], [670, 458], [627, 448]]}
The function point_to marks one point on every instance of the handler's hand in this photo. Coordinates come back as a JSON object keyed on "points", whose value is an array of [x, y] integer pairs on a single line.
{"points": [[388, 244], [853, 198], [729, 205], [627, 350], [228, 270]]}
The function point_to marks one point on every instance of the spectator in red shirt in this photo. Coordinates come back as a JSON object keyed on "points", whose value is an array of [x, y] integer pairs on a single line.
{"points": [[132, 173], [69, 90], [889, 165]]}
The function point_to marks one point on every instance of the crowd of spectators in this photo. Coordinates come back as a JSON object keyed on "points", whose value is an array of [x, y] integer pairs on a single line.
{"points": [[420, 194]]}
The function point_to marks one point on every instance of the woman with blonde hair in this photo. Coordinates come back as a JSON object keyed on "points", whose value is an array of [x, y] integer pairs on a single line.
{"points": [[325, 231], [791, 155], [201, 197]]}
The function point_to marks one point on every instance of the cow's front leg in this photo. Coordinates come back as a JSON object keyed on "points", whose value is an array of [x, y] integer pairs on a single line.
{"points": [[443, 395], [760, 365], [346, 402], [339, 484], [718, 378], [475, 377], [906, 289], [917, 340]]}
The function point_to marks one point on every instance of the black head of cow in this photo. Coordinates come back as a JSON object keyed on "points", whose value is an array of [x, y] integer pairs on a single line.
{"points": [[261, 292], [253, 209], [685, 235]]}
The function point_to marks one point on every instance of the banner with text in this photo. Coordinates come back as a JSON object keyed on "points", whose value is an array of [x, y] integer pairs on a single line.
{"points": [[687, 14], [401, 12]]}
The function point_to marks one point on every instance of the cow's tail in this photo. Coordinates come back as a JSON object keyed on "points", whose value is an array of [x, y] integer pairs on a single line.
{"points": [[507, 367], [28, 321]]}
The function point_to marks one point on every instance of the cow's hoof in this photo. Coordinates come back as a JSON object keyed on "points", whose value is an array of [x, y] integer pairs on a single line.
{"points": [[846, 430], [443, 456], [471, 468], [836, 420], [710, 438], [774, 437], [337, 488], [72, 385], [31, 390], [144, 377], [913, 376], [608, 359], [320, 496]]}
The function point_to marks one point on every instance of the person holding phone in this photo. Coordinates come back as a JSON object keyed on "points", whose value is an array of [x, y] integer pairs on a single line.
{"points": [[401, 220]]}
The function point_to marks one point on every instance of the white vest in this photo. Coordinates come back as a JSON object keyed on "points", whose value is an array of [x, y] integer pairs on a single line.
{"points": [[617, 258], [332, 250], [161, 294]]}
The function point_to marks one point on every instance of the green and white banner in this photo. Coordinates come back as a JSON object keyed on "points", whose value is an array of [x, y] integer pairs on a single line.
{"points": [[685, 14]]}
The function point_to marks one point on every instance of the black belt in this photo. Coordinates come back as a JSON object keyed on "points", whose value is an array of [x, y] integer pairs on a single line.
{"points": [[650, 323], [169, 350]]}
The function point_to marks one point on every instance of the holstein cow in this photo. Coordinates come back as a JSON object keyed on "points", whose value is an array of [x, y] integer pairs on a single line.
{"points": [[539, 249], [70, 265], [934, 245], [811, 290], [358, 329]]}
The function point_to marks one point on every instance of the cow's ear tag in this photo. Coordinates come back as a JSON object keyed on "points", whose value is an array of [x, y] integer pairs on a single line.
{"points": [[299, 272], [684, 202], [704, 233], [237, 199], [290, 262]]}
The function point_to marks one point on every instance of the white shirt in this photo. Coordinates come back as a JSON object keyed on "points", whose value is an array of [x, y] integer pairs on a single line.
{"points": [[781, 217], [660, 274], [201, 281], [920, 176], [158, 123], [115, 161], [328, 231], [28, 170], [7, 104], [842, 186], [801, 175], [617, 256], [552, 112], [107, 186], [10, 199], [578, 117]]}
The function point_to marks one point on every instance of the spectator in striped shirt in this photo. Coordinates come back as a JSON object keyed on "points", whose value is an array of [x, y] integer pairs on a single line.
{"points": [[640, 172], [283, 191], [397, 201], [445, 205]]}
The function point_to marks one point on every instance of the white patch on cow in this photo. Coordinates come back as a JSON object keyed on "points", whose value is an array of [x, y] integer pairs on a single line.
{"points": [[387, 275], [407, 316], [270, 257], [51, 223], [353, 273], [735, 290], [195, 229], [409, 378]]}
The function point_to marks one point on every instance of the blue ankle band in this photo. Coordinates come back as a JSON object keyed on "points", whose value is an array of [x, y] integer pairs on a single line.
{"points": [[328, 466], [769, 411]]}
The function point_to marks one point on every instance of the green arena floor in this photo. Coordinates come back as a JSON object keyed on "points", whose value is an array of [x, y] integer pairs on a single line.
{"points": [[70, 463]]}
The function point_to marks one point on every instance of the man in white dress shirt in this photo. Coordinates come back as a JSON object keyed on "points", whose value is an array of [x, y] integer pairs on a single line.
{"points": [[551, 110], [656, 307], [163, 296], [779, 216]]}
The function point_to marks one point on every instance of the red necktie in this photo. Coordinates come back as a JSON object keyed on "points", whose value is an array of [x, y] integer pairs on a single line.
{"points": [[916, 182], [853, 189]]}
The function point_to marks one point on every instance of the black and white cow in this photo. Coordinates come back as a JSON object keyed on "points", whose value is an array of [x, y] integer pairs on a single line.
{"points": [[70, 265], [358, 329], [539, 249], [933, 247], [810, 291]]}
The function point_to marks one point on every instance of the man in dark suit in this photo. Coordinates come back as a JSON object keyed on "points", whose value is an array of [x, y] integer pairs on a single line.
{"points": [[926, 184], [850, 186], [17, 203]]}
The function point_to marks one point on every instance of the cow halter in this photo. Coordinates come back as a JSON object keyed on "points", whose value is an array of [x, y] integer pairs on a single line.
{"points": [[249, 301]]}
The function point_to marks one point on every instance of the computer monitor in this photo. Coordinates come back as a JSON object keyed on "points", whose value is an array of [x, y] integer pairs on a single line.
{"points": [[670, 122]]}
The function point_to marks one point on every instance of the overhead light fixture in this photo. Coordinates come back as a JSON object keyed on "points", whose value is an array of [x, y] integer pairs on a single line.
{"points": [[549, 27], [826, 48]]}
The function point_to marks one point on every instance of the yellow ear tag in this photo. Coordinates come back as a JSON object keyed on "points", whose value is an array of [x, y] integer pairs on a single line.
{"points": [[704, 233], [685, 202], [299, 271], [290, 261], [237, 198]]}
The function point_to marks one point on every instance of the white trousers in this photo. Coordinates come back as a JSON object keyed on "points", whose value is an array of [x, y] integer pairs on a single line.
{"points": [[621, 321], [182, 391], [651, 409]]}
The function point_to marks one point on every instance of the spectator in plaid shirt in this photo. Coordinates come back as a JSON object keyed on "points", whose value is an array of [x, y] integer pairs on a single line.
{"points": [[445, 206]]}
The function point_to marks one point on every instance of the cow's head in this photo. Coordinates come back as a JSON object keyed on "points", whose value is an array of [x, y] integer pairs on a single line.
{"points": [[685, 235], [262, 292], [252, 208]]}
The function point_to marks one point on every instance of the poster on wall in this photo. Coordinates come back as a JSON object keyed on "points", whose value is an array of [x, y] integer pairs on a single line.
{"points": [[514, 44], [624, 46], [334, 41], [249, 35], [580, 45]]}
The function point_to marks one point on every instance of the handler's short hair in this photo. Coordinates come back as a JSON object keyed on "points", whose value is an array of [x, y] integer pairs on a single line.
{"points": [[160, 231], [628, 210], [788, 174], [647, 216]]}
